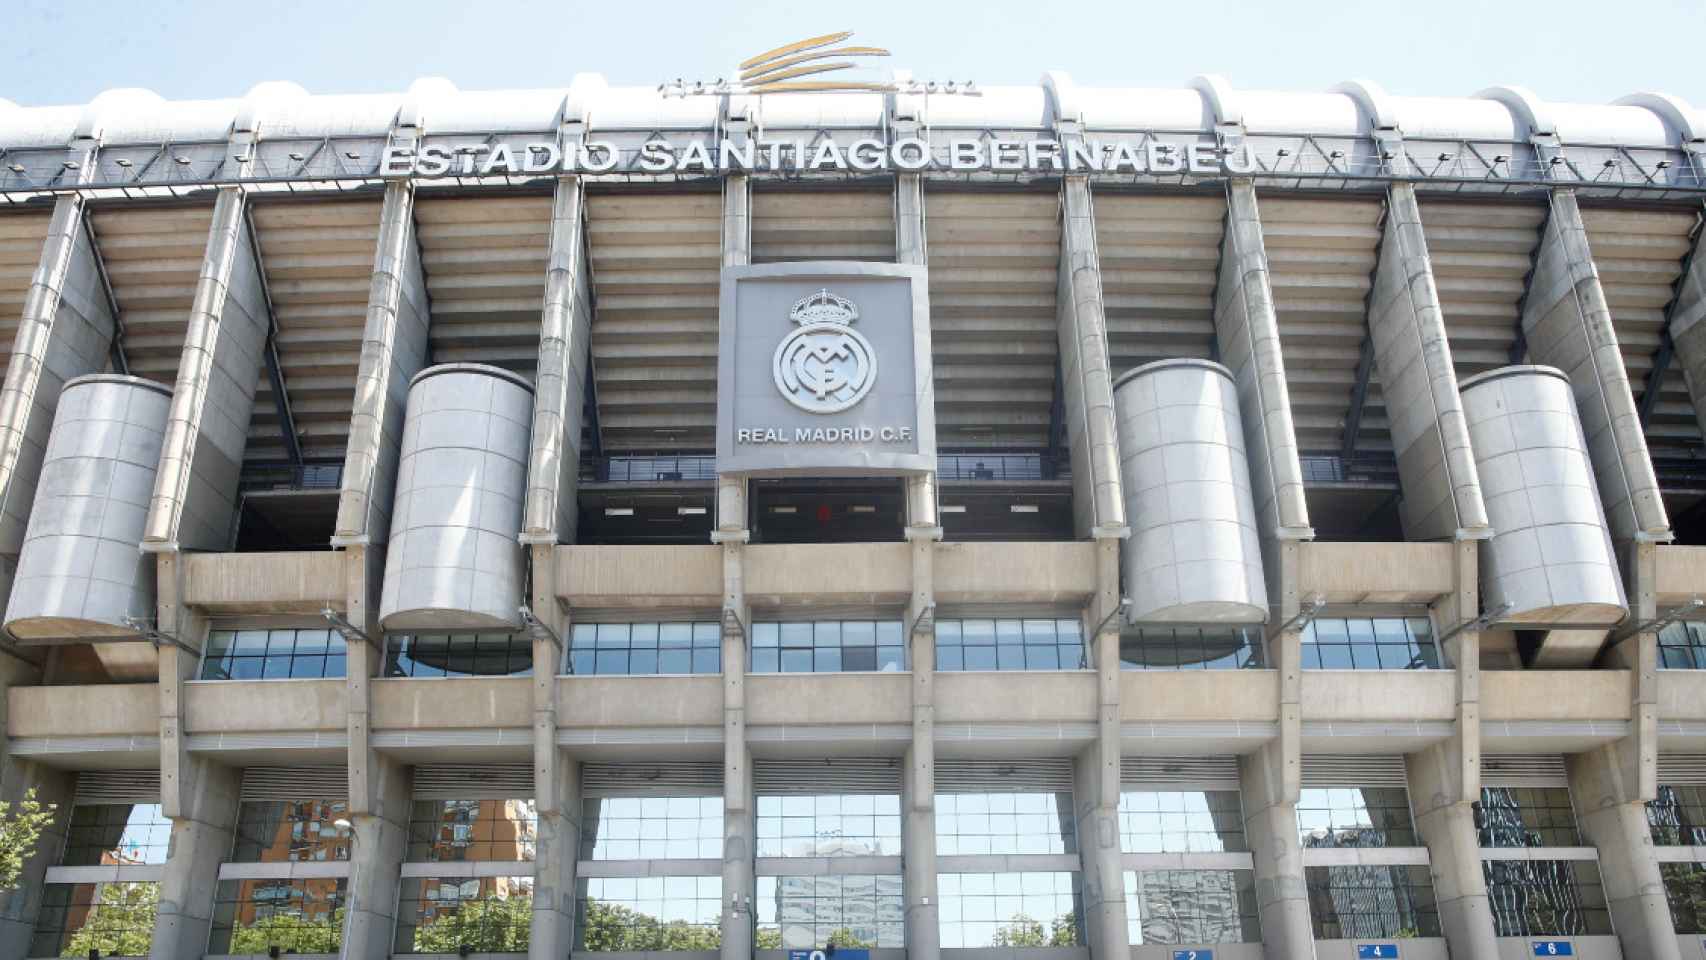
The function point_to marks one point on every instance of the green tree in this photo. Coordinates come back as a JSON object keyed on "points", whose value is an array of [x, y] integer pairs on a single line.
{"points": [[21, 825], [120, 925], [611, 926], [488, 925], [1065, 932], [843, 937], [1021, 931], [291, 933]]}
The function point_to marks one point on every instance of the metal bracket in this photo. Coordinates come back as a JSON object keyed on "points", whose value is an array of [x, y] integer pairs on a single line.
{"points": [[1307, 611], [1479, 623], [157, 638], [538, 629], [349, 631], [926, 619], [1662, 621], [1119, 608]]}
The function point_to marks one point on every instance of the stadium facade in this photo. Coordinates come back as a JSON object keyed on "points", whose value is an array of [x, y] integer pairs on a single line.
{"points": [[930, 520]]}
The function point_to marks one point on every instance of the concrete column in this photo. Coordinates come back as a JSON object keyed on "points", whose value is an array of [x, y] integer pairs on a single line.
{"points": [[551, 509], [1687, 333], [1613, 818], [738, 849], [393, 349], [65, 331], [195, 491], [376, 858], [1442, 489], [1445, 779], [1568, 325], [20, 906], [923, 929], [1272, 777], [556, 777], [556, 855], [1087, 378], [1096, 788], [201, 799], [1247, 334]]}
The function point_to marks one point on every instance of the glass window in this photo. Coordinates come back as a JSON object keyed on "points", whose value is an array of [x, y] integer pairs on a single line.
{"points": [[1682, 646], [1526, 817], [102, 834], [1191, 906], [1032, 909], [1379, 643], [473, 830], [282, 654], [645, 648], [444, 914], [811, 913], [1030, 644], [1685, 888], [1546, 898], [76, 919], [1366, 902], [458, 655], [1192, 648], [1678, 817], [830, 646], [829, 825], [652, 828], [649, 913], [1181, 821], [970, 824], [277, 831], [1356, 817], [297, 916]]}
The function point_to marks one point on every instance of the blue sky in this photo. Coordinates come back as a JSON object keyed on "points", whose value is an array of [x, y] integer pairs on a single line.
{"points": [[66, 51]]}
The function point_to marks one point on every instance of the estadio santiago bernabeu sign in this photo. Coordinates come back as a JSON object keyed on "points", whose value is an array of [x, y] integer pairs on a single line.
{"points": [[824, 368]]}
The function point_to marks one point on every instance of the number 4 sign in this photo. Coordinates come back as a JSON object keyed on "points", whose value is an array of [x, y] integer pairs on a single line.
{"points": [[1377, 951]]}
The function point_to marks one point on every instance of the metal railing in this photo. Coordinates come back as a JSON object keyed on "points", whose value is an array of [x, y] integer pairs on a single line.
{"points": [[1379, 470], [290, 476]]}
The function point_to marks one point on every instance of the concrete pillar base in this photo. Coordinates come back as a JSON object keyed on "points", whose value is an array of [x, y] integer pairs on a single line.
{"points": [[381, 840], [201, 840]]}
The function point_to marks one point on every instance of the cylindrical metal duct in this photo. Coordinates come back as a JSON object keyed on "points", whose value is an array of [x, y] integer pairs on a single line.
{"points": [[1193, 555], [1551, 556], [81, 572], [453, 562]]}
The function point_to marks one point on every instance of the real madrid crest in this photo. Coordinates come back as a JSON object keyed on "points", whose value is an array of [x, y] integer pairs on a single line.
{"points": [[825, 366]]}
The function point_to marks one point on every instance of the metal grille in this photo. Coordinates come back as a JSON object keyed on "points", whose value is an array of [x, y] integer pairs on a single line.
{"points": [[325, 782], [1041, 775], [117, 786], [1523, 770], [679, 778], [466, 781], [1328, 770], [833, 775], [1683, 770], [1207, 773]]}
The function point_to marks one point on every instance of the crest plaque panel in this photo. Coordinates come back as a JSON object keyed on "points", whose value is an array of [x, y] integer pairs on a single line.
{"points": [[824, 368]]}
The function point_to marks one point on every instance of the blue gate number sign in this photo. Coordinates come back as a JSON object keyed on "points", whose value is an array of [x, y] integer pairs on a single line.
{"points": [[1193, 955], [1376, 951], [1554, 948], [841, 953]]}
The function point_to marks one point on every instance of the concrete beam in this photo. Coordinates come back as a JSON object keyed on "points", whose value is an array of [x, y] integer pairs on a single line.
{"points": [[381, 839], [556, 855], [1614, 819], [553, 470], [1247, 336], [1687, 331], [202, 831], [65, 332], [1436, 467], [1568, 325], [393, 349], [195, 491]]}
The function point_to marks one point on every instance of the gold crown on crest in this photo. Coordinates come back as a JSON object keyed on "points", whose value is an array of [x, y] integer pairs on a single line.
{"points": [[823, 307]]}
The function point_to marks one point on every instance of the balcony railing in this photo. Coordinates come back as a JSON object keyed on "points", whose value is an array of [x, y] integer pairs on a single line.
{"points": [[291, 476]]}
